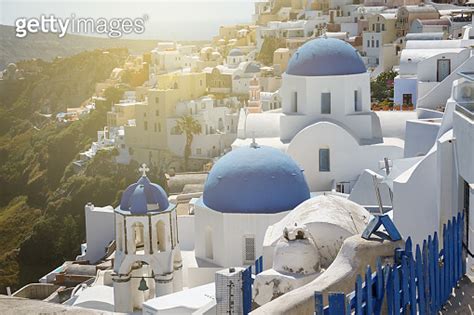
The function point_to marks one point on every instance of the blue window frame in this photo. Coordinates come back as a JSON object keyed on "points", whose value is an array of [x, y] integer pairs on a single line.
{"points": [[324, 160]]}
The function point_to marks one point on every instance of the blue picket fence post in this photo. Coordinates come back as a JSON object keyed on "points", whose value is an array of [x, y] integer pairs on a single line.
{"points": [[426, 273], [419, 282], [358, 292], [247, 290], [405, 293], [453, 266], [258, 265], [447, 279], [412, 285], [337, 304], [437, 271], [389, 289], [420, 274], [379, 287], [432, 275], [318, 303], [368, 291]]}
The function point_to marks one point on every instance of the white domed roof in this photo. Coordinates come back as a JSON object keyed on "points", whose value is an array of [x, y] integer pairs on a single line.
{"points": [[330, 220], [296, 252]]}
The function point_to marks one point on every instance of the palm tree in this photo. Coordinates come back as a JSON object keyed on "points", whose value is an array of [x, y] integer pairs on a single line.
{"points": [[189, 126]]}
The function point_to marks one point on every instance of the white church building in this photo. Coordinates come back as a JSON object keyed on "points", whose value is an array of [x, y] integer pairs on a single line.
{"points": [[247, 190], [325, 124]]}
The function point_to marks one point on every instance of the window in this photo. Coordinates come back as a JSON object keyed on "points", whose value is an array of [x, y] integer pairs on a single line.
{"points": [[160, 236], [159, 127], [249, 249], [377, 43], [200, 82], [209, 247], [295, 102], [325, 103], [368, 43], [157, 112], [444, 69], [145, 125], [357, 104], [120, 236], [383, 27], [138, 236], [144, 114], [157, 100], [373, 44], [324, 160]]}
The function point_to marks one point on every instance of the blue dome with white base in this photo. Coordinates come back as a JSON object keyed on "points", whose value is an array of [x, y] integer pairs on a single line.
{"points": [[144, 196], [325, 57], [255, 179]]}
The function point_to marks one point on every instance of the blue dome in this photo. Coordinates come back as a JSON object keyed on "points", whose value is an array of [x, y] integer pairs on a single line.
{"points": [[255, 180], [325, 57], [236, 52], [144, 196]]}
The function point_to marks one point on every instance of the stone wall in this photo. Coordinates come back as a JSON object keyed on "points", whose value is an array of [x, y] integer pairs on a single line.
{"points": [[353, 258]]}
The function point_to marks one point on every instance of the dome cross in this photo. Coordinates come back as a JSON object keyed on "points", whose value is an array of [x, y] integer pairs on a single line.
{"points": [[254, 143], [143, 168]]}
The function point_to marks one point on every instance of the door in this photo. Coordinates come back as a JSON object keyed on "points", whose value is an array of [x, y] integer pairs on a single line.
{"points": [[407, 99], [444, 69]]}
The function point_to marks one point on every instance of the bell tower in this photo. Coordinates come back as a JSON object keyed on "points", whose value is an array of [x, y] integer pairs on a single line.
{"points": [[147, 258], [254, 105]]}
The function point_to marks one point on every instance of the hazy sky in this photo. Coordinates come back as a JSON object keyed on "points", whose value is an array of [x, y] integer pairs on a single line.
{"points": [[168, 19]]}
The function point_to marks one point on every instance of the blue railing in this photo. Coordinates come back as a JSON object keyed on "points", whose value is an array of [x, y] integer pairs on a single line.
{"points": [[417, 283], [247, 284]]}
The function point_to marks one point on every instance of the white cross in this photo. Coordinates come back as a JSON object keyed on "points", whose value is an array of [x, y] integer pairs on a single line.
{"points": [[143, 169], [254, 143], [323, 32]]}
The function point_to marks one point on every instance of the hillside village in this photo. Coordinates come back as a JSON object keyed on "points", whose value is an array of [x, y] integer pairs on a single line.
{"points": [[276, 145]]}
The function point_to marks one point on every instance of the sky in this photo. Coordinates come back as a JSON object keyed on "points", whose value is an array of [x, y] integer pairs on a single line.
{"points": [[167, 19]]}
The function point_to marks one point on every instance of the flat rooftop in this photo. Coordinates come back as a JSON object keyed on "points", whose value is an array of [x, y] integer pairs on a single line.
{"points": [[20, 306]]}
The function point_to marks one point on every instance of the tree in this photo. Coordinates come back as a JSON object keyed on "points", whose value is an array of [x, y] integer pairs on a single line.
{"points": [[190, 127], [113, 94], [382, 86], [270, 44]]}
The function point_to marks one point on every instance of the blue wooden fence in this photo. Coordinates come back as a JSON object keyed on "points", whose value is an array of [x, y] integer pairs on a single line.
{"points": [[418, 282], [247, 282]]}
